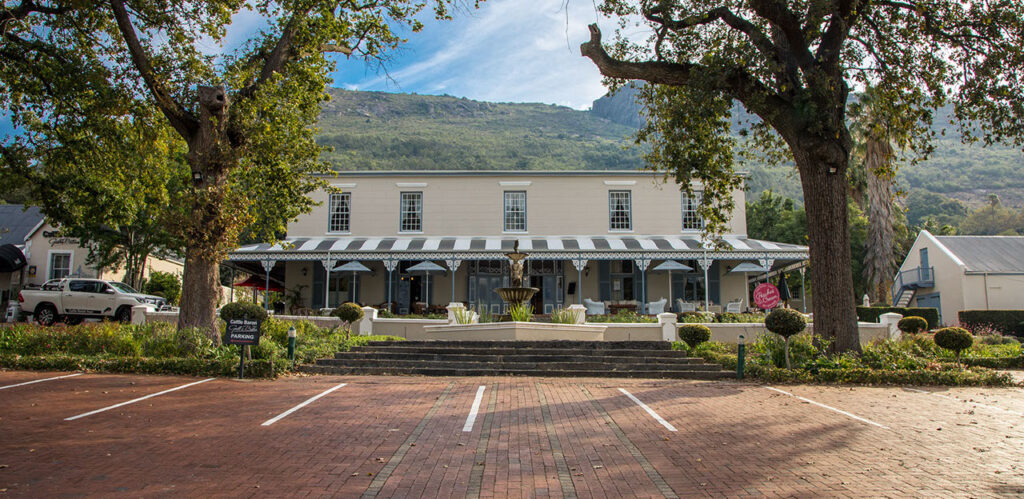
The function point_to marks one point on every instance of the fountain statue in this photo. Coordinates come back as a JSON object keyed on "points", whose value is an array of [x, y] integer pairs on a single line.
{"points": [[516, 293]]}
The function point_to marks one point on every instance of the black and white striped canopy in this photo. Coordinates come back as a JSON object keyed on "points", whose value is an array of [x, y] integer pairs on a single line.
{"points": [[402, 248]]}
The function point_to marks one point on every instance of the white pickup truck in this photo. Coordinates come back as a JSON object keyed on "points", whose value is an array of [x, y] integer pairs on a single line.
{"points": [[73, 300]]}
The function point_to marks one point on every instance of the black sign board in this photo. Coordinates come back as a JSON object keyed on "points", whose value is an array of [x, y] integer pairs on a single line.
{"points": [[243, 332]]}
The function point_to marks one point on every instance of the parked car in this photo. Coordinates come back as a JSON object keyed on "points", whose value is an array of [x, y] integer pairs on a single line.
{"points": [[74, 300]]}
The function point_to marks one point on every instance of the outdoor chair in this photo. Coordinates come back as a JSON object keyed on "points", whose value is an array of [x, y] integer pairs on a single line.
{"points": [[593, 307], [685, 306], [734, 307], [657, 307]]}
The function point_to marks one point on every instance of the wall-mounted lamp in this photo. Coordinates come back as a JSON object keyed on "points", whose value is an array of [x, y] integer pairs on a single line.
{"points": [[586, 271], [305, 271]]}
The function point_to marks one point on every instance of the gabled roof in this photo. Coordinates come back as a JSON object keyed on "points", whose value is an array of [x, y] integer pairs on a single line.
{"points": [[17, 223], [995, 254]]}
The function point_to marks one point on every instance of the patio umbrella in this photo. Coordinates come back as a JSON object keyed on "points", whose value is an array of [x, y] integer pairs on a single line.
{"points": [[746, 267], [426, 267], [352, 267], [258, 283], [784, 293], [670, 266]]}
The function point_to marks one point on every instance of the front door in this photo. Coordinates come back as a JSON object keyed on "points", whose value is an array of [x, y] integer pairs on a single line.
{"points": [[931, 300]]}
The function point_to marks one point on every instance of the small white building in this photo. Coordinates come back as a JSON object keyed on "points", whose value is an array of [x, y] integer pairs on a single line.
{"points": [[954, 273]]}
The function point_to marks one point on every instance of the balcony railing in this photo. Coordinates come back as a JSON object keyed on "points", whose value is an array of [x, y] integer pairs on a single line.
{"points": [[920, 277]]}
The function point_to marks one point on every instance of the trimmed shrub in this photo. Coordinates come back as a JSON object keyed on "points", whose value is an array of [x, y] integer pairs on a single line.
{"points": [[694, 334], [955, 339], [239, 310], [348, 312], [785, 322], [163, 284], [1005, 321], [912, 324], [871, 314]]}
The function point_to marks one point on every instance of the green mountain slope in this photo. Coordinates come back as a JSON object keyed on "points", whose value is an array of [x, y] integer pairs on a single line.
{"points": [[384, 131]]}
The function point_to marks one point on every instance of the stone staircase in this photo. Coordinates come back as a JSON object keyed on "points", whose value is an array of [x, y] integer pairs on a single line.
{"points": [[619, 359]]}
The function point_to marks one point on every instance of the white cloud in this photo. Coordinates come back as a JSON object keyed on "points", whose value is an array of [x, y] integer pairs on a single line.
{"points": [[505, 51]]}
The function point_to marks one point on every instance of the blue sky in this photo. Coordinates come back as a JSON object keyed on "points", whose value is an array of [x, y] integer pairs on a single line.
{"points": [[505, 51]]}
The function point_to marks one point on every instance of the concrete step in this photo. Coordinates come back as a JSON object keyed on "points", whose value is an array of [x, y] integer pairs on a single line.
{"points": [[517, 366], [429, 371], [454, 350], [610, 357], [576, 345]]}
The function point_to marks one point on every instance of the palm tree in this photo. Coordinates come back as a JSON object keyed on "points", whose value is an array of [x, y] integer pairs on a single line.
{"points": [[873, 188]]}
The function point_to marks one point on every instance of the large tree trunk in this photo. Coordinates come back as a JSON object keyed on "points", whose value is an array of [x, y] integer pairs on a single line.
{"points": [[199, 292], [828, 229], [209, 231]]}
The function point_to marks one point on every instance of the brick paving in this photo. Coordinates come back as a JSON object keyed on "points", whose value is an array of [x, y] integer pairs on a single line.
{"points": [[533, 437]]}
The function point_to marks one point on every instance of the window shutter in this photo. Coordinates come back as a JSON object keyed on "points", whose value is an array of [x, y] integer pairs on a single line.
{"points": [[319, 276]]}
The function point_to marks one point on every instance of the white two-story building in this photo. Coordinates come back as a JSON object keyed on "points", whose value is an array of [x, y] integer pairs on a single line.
{"points": [[590, 235]]}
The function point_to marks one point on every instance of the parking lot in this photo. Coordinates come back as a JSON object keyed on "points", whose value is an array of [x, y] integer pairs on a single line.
{"points": [[127, 435]]}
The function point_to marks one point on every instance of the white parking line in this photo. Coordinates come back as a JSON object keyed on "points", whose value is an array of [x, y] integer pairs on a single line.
{"points": [[471, 419], [115, 406], [819, 404], [40, 381], [979, 404], [300, 406], [650, 411]]}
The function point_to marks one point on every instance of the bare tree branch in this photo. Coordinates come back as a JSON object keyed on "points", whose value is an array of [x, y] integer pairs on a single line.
{"points": [[9, 15]]}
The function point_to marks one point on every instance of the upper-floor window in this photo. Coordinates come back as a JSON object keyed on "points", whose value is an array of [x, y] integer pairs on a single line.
{"points": [[515, 211], [691, 217], [411, 212], [620, 215], [340, 212]]}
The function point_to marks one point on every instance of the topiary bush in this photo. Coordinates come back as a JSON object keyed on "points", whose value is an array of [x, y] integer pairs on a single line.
{"points": [[348, 312], [694, 334], [912, 324], [954, 338], [785, 322], [164, 284], [241, 310]]}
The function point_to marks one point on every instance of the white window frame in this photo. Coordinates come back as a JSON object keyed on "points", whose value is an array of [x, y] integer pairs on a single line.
{"points": [[612, 212], [49, 263], [402, 212], [335, 205], [689, 211], [506, 212]]}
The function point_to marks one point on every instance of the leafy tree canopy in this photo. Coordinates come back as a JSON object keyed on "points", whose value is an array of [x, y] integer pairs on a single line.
{"points": [[794, 64]]}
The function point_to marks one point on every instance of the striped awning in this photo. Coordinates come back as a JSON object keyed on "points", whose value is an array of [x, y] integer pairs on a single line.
{"points": [[539, 247]]}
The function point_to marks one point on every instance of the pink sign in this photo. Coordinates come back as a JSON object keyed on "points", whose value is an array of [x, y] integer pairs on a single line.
{"points": [[766, 296]]}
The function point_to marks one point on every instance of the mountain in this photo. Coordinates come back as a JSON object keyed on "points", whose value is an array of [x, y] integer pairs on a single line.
{"points": [[957, 170], [386, 131], [389, 131]]}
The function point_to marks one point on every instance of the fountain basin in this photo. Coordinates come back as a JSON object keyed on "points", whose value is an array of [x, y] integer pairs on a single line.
{"points": [[516, 295]]}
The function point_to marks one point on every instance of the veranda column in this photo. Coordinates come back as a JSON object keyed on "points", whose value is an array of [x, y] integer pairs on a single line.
{"points": [[390, 265], [267, 266], [453, 265], [580, 263], [705, 263], [642, 264], [328, 264]]}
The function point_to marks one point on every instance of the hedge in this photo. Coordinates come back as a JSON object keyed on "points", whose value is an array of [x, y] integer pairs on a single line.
{"points": [[871, 314], [255, 368], [1005, 321]]}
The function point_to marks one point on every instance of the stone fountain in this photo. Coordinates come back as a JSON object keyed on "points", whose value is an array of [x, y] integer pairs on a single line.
{"points": [[517, 293]]}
